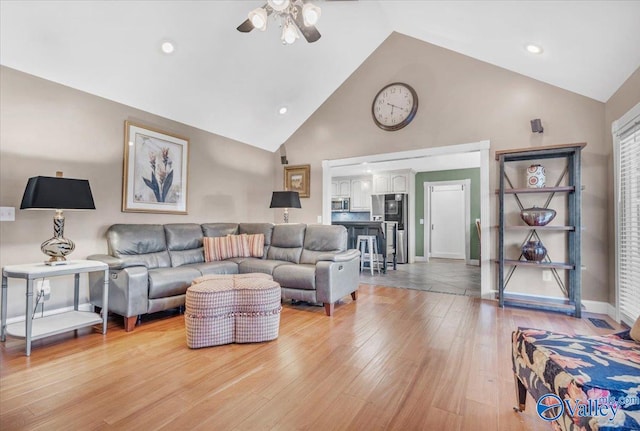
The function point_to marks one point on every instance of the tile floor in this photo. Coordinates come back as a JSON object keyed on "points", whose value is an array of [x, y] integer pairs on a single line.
{"points": [[438, 275]]}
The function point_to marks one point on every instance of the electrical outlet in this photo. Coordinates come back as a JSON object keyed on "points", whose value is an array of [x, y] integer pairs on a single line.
{"points": [[7, 214], [319, 219], [546, 275], [43, 287]]}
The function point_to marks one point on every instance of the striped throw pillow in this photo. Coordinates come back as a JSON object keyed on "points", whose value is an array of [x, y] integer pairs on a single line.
{"points": [[225, 247], [256, 244]]}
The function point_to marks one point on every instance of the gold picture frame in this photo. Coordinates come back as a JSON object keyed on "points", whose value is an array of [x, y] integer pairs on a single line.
{"points": [[155, 171], [297, 179]]}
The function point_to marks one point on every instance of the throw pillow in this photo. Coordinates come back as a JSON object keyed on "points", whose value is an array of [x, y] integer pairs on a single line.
{"points": [[635, 331], [239, 245], [256, 244], [225, 247]]}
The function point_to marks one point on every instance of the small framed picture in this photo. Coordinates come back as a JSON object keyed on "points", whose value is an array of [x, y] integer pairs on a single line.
{"points": [[296, 179], [155, 171]]}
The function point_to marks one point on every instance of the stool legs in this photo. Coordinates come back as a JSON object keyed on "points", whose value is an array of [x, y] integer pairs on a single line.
{"points": [[368, 243]]}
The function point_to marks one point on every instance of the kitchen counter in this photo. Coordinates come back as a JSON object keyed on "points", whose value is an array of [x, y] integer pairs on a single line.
{"points": [[377, 228]]}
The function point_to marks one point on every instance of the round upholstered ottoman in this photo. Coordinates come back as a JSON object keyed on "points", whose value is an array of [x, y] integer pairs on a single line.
{"points": [[238, 308]]}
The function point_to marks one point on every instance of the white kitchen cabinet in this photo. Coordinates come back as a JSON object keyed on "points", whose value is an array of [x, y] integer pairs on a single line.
{"points": [[399, 183], [381, 183], [341, 188], [361, 194], [394, 182]]}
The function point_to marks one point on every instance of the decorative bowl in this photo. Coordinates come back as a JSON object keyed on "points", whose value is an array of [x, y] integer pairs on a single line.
{"points": [[537, 216], [534, 251]]}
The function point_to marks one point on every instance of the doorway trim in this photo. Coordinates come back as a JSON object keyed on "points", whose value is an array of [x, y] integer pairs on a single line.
{"points": [[466, 184], [487, 291]]}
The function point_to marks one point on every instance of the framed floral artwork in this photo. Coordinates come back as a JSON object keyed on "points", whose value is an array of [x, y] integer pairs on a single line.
{"points": [[155, 171], [296, 179]]}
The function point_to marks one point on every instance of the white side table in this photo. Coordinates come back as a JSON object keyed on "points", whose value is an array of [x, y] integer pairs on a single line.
{"points": [[34, 329]]}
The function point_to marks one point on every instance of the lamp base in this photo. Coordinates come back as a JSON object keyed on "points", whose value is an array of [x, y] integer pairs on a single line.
{"points": [[56, 262], [57, 248]]}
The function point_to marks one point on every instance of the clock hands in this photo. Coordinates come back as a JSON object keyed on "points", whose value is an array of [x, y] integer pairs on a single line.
{"points": [[395, 106]]}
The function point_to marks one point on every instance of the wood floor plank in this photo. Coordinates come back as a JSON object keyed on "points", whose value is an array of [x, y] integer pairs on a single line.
{"points": [[394, 359]]}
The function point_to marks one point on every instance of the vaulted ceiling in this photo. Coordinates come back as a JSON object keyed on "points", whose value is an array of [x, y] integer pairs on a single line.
{"points": [[233, 84]]}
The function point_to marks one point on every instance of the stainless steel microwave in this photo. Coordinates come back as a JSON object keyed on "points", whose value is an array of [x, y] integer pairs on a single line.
{"points": [[340, 204]]}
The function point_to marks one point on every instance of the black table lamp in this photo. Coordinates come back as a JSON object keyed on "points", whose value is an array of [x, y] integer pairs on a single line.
{"points": [[57, 193], [285, 200]]}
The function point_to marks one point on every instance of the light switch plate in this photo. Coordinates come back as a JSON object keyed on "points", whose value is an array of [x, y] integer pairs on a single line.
{"points": [[7, 214]]}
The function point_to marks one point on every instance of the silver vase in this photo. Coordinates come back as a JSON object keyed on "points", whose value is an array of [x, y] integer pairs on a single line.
{"points": [[534, 251], [536, 216]]}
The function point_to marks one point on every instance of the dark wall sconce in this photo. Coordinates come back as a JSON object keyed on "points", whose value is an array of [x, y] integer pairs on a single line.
{"points": [[536, 126]]}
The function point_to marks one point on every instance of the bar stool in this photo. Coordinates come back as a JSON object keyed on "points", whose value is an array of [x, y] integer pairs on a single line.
{"points": [[370, 243]]}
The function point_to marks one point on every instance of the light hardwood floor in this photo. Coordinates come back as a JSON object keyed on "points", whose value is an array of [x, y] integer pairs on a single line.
{"points": [[394, 359]]}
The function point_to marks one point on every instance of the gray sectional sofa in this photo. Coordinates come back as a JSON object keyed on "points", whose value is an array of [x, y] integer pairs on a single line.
{"points": [[151, 265]]}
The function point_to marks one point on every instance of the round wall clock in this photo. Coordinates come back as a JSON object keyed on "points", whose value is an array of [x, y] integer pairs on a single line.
{"points": [[394, 106]]}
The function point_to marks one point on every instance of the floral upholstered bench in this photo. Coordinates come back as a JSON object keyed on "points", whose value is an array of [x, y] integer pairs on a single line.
{"points": [[580, 383]]}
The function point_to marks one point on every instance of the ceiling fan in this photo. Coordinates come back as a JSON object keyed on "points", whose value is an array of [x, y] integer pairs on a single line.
{"points": [[295, 16]]}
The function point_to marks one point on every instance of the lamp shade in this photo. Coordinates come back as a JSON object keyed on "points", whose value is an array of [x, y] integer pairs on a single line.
{"points": [[285, 200], [57, 193]]}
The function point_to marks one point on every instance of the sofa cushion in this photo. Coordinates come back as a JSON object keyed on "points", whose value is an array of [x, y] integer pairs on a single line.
{"points": [[184, 242], [265, 266], [144, 243], [286, 242], [164, 282], [258, 228], [219, 229], [322, 239], [219, 267], [299, 276]]}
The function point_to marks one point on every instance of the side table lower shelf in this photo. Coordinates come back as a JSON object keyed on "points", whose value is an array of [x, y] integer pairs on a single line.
{"points": [[558, 305], [556, 265], [55, 324]]}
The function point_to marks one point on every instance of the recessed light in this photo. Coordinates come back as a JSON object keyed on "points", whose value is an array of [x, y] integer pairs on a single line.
{"points": [[283, 110], [167, 47], [533, 49]]}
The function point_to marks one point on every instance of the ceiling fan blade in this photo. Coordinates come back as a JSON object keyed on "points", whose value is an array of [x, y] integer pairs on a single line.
{"points": [[310, 33], [246, 26]]}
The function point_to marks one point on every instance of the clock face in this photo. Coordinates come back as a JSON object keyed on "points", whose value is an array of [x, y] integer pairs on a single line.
{"points": [[394, 106]]}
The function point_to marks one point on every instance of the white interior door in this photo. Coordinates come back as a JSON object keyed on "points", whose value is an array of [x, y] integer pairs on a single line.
{"points": [[447, 233]]}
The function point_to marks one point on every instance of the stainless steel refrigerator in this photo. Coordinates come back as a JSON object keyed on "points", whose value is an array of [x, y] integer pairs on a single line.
{"points": [[393, 209]]}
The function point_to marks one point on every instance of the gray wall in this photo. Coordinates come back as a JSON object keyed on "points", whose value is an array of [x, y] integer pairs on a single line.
{"points": [[47, 127], [464, 100]]}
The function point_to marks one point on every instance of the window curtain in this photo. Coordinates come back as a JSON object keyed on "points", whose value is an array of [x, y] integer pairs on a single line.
{"points": [[626, 141]]}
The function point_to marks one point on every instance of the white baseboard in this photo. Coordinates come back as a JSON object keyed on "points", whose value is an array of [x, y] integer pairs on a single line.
{"points": [[420, 259], [473, 262], [82, 307], [600, 307]]}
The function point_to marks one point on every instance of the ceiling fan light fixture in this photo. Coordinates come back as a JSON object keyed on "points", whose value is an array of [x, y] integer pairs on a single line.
{"points": [[295, 18], [278, 5], [310, 14], [289, 33], [258, 18]]}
